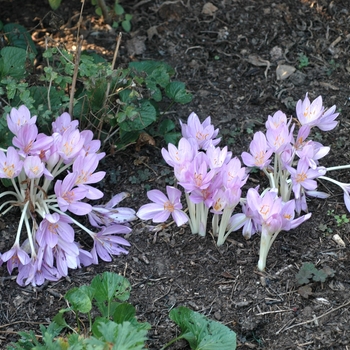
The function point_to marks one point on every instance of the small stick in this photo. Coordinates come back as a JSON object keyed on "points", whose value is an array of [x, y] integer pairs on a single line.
{"points": [[75, 74], [271, 312], [318, 317]]}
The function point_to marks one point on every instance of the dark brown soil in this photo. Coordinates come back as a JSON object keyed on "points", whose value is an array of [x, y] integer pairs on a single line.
{"points": [[213, 54]]}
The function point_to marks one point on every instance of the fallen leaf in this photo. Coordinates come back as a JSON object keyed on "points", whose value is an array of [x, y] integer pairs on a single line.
{"points": [[144, 139], [136, 45], [209, 9], [284, 71], [151, 32], [305, 291], [256, 60]]}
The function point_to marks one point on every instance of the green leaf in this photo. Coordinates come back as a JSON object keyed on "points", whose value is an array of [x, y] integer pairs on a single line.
{"points": [[166, 126], [118, 9], [98, 11], [54, 4], [110, 285], [172, 137], [150, 66], [177, 92], [305, 273], [202, 333], [128, 17], [59, 319], [79, 300], [18, 36], [147, 114], [124, 312], [126, 25], [14, 59], [123, 336]]}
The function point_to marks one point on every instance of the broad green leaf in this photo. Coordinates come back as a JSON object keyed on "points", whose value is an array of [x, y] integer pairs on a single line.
{"points": [[166, 126], [124, 312], [128, 17], [54, 4], [150, 66], [18, 36], [79, 300], [177, 92], [126, 25], [126, 138], [172, 137], [123, 336], [118, 9], [59, 319], [202, 333], [110, 285], [14, 59], [147, 114], [159, 76]]}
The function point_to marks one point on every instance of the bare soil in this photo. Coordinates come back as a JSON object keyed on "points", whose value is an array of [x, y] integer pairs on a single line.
{"points": [[227, 55]]}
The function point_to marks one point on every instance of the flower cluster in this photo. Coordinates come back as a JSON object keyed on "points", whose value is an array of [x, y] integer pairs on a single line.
{"points": [[47, 203], [213, 179]]}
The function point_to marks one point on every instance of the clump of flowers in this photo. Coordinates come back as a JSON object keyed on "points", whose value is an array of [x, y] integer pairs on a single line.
{"points": [[52, 178], [212, 179]]}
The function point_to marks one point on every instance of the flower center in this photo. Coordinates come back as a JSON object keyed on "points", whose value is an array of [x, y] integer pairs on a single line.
{"points": [[168, 206], [301, 177]]}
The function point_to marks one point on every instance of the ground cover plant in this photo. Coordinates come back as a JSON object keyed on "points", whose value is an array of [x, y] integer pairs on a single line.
{"points": [[230, 55]]}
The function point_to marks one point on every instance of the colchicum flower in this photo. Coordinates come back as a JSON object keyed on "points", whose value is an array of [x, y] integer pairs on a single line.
{"points": [[33, 166]]}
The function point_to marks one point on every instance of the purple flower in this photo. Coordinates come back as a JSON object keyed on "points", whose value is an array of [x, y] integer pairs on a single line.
{"points": [[52, 227], [204, 133], [85, 166], [105, 215], [19, 117], [64, 123], [260, 154], [35, 168], [36, 271], [163, 207], [68, 196], [313, 114], [30, 142], [303, 176], [70, 145], [10, 164], [15, 257], [106, 243]]}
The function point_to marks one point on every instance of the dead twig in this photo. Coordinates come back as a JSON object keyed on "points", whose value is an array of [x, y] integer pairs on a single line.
{"points": [[318, 317]]}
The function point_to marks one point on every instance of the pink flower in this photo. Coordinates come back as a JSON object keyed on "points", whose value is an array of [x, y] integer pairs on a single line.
{"points": [[70, 145], [260, 154], [278, 139], [204, 133], [178, 156], [64, 123], [106, 243], [15, 257], [68, 196], [19, 117], [303, 177], [85, 166], [29, 142], [273, 122], [35, 168], [10, 164], [163, 207], [52, 227], [313, 114]]}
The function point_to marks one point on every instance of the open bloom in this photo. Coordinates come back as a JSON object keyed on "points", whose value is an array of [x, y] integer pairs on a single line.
{"points": [[68, 196], [260, 153], [303, 176], [313, 114], [203, 133], [10, 164], [163, 207], [19, 117]]}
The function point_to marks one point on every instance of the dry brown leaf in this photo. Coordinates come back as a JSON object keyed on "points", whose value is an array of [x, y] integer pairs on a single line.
{"points": [[209, 9], [144, 139], [136, 45], [305, 291]]}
